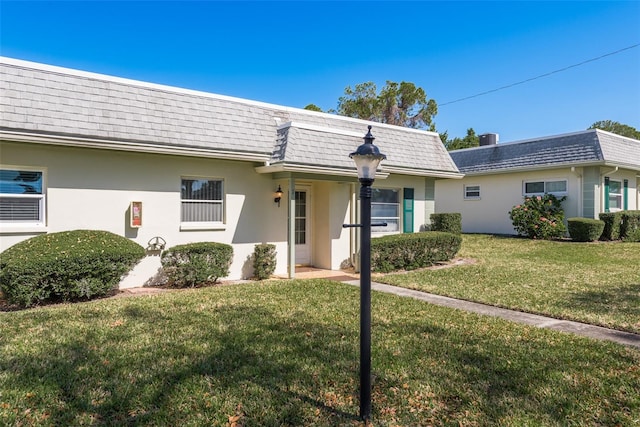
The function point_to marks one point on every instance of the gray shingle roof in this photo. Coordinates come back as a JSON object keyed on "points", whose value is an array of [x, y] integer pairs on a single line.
{"points": [[46, 100], [581, 148]]}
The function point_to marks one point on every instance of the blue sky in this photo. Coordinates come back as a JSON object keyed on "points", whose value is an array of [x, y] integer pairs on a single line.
{"points": [[296, 53]]}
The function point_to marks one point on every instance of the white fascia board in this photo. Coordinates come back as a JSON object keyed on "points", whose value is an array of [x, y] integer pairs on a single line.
{"points": [[422, 172], [131, 146], [535, 168], [314, 170]]}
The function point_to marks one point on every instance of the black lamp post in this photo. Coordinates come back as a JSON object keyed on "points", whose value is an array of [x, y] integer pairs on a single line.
{"points": [[367, 158]]}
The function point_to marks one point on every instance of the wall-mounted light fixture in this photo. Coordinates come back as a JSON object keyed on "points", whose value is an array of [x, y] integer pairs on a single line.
{"points": [[278, 196]]}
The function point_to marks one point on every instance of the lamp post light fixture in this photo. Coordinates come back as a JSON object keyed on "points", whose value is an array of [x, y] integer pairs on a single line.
{"points": [[367, 158]]}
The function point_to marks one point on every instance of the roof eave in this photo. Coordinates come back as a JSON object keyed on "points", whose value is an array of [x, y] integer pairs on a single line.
{"points": [[69, 141], [322, 170], [551, 166], [402, 170]]}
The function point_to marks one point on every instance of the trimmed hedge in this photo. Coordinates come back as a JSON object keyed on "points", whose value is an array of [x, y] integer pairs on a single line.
{"points": [[585, 229], [447, 222], [66, 266], [412, 251], [630, 227], [196, 264], [612, 222], [264, 260], [623, 225]]}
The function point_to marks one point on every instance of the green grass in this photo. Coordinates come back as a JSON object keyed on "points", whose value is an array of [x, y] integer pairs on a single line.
{"points": [[597, 283], [286, 353]]}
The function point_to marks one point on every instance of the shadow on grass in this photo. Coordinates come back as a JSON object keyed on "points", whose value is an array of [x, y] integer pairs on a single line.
{"points": [[201, 365], [626, 297]]}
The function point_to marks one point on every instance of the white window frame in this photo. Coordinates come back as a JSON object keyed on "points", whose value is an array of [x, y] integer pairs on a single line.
{"points": [[27, 226], [204, 225], [398, 204], [468, 190], [616, 195], [545, 182]]}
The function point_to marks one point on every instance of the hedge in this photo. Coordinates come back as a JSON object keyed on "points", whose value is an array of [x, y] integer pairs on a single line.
{"points": [[449, 222], [412, 251], [630, 227], [612, 222], [585, 229], [66, 266], [623, 225], [264, 260], [196, 264]]}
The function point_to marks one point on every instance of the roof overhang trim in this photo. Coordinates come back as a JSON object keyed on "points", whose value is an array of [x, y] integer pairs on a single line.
{"points": [[422, 172], [552, 166], [288, 167], [132, 146]]}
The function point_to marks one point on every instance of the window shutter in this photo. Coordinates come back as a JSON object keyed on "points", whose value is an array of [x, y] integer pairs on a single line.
{"points": [[407, 219], [606, 194], [625, 195]]}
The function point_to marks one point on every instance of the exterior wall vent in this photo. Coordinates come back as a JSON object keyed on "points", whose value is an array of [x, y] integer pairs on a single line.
{"points": [[488, 139]]}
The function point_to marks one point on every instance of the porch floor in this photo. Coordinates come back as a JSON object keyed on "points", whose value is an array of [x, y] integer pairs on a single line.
{"points": [[305, 272]]}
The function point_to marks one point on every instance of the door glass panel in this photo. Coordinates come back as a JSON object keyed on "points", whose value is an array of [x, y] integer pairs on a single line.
{"points": [[301, 218]]}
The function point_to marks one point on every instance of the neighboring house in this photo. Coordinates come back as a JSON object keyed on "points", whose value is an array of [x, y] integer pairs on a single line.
{"points": [[596, 170], [77, 150]]}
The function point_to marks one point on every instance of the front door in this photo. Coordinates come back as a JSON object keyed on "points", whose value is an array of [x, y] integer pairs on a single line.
{"points": [[302, 230]]}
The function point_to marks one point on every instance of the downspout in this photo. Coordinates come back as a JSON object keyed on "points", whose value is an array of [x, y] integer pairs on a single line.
{"points": [[580, 192]]}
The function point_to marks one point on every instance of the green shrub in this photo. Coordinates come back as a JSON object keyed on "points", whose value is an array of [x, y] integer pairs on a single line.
{"points": [[264, 260], [630, 226], [196, 263], [447, 222], [612, 222], [539, 217], [585, 229], [66, 266], [411, 251]]}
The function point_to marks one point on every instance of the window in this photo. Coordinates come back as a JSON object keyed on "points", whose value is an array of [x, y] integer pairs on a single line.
{"points": [[22, 197], [385, 207], [615, 195], [202, 201], [471, 191], [541, 187]]}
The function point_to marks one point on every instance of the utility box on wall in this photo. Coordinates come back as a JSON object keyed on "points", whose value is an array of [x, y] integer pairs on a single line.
{"points": [[135, 215]]}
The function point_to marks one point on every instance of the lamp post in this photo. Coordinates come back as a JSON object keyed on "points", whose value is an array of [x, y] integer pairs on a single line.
{"points": [[367, 158]]}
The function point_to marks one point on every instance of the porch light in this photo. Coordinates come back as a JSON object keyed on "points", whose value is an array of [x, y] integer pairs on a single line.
{"points": [[367, 158], [278, 195]]}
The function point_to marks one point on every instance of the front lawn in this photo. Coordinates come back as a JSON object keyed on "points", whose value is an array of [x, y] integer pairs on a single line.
{"points": [[597, 283], [286, 353]]}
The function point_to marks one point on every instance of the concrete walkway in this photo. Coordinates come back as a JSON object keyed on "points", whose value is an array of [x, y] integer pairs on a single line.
{"points": [[591, 331]]}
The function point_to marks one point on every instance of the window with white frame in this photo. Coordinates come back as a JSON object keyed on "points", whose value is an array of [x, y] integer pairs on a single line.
{"points": [[471, 191], [202, 200], [538, 188], [22, 196], [615, 195], [385, 207]]}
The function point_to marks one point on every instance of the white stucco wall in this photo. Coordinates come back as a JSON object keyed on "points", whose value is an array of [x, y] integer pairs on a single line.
{"points": [[500, 192], [92, 189]]}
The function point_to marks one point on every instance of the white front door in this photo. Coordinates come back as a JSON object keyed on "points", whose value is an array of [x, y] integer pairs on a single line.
{"points": [[302, 228]]}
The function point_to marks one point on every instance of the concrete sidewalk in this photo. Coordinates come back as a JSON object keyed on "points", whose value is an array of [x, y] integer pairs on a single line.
{"points": [[591, 331]]}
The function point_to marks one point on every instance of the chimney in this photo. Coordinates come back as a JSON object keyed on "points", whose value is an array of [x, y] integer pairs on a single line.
{"points": [[488, 139]]}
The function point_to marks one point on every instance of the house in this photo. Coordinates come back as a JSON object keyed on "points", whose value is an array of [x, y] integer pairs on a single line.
{"points": [[597, 171], [160, 164]]}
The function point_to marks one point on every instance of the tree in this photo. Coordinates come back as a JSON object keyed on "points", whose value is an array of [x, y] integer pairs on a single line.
{"points": [[400, 104], [313, 107], [470, 140], [617, 128]]}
